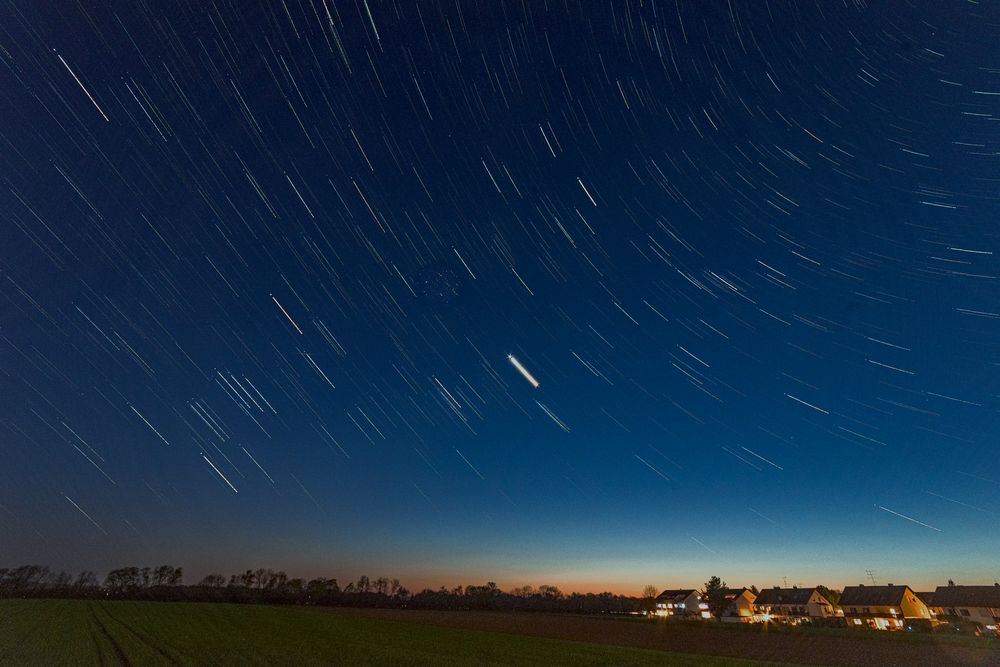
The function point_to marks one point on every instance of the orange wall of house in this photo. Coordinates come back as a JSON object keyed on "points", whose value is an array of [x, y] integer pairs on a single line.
{"points": [[915, 609]]}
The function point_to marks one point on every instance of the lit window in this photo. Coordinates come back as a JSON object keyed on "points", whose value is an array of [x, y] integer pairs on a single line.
{"points": [[892, 611], [857, 621]]}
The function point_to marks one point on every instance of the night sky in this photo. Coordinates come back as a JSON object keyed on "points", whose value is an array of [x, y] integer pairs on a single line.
{"points": [[596, 294]]}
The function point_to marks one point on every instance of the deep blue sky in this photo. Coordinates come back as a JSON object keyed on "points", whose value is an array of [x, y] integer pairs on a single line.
{"points": [[262, 266]]}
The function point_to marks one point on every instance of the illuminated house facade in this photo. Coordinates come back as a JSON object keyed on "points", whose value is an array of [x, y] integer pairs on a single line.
{"points": [[792, 605], [975, 604], [884, 607], [681, 603], [739, 606]]}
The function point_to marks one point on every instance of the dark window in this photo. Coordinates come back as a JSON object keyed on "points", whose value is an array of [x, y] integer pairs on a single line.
{"points": [[965, 612]]}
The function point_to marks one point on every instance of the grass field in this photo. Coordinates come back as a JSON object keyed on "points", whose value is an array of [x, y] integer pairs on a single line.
{"points": [[835, 647], [81, 632]]}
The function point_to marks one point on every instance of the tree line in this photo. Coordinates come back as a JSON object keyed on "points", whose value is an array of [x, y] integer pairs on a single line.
{"points": [[267, 586]]}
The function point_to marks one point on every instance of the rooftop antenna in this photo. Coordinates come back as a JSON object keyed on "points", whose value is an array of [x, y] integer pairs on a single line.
{"points": [[785, 581], [871, 575]]}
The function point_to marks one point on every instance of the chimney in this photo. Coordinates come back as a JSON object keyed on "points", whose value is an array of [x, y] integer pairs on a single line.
{"points": [[890, 585]]}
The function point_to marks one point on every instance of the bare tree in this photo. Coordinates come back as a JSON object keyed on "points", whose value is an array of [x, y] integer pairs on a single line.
{"points": [[213, 581], [85, 581]]}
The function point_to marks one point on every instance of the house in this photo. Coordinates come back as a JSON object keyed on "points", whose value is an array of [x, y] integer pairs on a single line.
{"points": [[739, 605], [927, 597], [792, 605], [681, 603], [884, 607], [976, 604]]}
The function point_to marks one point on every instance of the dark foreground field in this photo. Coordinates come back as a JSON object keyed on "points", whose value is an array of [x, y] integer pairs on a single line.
{"points": [[79, 632], [839, 647]]}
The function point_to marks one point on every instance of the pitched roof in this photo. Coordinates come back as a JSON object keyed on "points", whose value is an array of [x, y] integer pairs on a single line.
{"points": [[926, 596], [872, 595], [796, 596], [967, 596], [733, 593], [676, 594]]}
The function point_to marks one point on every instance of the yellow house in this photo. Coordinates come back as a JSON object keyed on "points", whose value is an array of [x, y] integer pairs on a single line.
{"points": [[792, 605], [883, 607], [739, 606]]}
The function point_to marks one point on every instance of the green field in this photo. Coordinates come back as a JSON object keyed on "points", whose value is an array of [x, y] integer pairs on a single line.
{"points": [[80, 632]]}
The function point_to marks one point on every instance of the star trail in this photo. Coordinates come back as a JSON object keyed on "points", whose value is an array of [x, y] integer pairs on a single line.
{"points": [[594, 293]]}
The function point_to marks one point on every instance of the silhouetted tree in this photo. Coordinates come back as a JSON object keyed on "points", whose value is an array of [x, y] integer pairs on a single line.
{"points": [[648, 596], [549, 592], [213, 581], [62, 583], [165, 582], [830, 594], [294, 587], [715, 596], [86, 583], [276, 580], [322, 589]]}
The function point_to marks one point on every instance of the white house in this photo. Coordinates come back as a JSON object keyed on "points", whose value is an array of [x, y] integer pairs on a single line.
{"points": [[977, 604]]}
